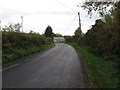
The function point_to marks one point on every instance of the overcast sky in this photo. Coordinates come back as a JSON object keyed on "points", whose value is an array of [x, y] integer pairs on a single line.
{"points": [[61, 15]]}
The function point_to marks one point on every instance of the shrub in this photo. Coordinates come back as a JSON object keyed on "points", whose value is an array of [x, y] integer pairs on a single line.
{"points": [[16, 45]]}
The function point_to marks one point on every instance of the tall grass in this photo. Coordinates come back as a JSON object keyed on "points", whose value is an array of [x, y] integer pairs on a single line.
{"points": [[101, 73]]}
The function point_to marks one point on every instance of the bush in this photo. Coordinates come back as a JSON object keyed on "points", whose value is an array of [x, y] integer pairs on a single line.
{"points": [[16, 45]]}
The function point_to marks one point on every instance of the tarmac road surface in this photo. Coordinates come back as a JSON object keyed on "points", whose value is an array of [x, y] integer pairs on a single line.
{"points": [[58, 67]]}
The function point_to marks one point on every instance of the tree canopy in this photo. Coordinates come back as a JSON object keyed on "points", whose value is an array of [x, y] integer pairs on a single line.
{"points": [[100, 6], [48, 32], [78, 33], [12, 27]]}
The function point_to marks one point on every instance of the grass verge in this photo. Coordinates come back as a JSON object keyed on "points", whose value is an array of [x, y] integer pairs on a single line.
{"points": [[101, 73], [18, 55]]}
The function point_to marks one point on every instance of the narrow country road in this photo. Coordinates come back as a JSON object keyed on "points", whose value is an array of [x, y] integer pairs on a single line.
{"points": [[58, 67]]}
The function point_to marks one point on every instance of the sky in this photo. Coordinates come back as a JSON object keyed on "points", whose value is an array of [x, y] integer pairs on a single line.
{"points": [[61, 15]]}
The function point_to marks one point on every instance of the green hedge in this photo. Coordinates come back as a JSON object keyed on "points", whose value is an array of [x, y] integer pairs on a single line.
{"points": [[17, 45]]}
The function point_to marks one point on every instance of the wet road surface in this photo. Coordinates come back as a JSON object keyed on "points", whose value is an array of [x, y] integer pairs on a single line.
{"points": [[58, 67]]}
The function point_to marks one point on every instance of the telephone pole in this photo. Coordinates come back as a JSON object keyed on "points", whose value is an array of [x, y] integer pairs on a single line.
{"points": [[79, 18], [0, 26], [22, 22]]}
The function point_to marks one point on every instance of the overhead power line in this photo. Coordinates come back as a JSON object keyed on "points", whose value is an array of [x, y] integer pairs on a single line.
{"points": [[71, 23], [72, 10], [65, 5]]}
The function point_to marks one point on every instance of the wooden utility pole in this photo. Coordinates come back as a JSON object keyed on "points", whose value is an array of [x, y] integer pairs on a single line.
{"points": [[79, 20], [22, 22], [0, 26], [79, 16]]}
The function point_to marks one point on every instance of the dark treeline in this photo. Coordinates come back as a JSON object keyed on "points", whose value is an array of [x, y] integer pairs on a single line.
{"points": [[103, 38], [49, 32]]}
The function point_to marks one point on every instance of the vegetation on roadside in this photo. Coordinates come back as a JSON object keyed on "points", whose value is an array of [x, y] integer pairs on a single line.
{"points": [[101, 73], [101, 40], [20, 54], [16, 44]]}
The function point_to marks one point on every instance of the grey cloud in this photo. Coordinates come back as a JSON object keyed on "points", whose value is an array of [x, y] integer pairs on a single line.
{"points": [[55, 12], [7, 13]]}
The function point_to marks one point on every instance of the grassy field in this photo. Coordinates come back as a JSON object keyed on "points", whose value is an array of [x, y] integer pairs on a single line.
{"points": [[101, 73], [20, 54]]}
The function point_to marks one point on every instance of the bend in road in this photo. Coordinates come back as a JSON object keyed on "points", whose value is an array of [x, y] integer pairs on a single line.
{"points": [[58, 67]]}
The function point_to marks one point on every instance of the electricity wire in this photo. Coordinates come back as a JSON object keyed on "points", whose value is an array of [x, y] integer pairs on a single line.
{"points": [[69, 8], [71, 22], [65, 5]]}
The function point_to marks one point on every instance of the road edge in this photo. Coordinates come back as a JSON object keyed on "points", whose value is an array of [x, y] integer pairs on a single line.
{"points": [[24, 59], [87, 83]]}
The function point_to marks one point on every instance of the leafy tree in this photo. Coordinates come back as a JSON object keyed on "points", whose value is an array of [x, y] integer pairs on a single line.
{"points": [[48, 32], [95, 37], [78, 33], [12, 27], [103, 38], [100, 6], [17, 27]]}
